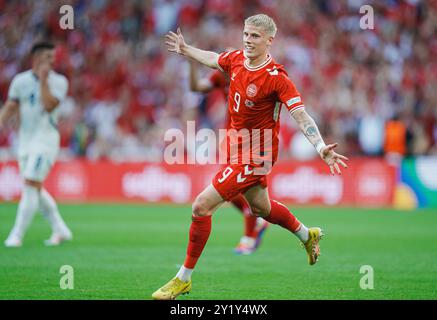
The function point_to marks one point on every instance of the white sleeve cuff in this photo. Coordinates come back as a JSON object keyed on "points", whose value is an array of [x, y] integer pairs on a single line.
{"points": [[296, 108]]}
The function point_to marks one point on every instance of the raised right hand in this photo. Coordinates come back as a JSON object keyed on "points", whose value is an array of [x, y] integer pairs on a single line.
{"points": [[175, 41]]}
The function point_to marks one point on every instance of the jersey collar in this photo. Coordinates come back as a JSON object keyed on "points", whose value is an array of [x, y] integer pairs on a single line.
{"points": [[258, 67]]}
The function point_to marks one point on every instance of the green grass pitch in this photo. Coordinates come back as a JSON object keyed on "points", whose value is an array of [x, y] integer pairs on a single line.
{"points": [[125, 251]]}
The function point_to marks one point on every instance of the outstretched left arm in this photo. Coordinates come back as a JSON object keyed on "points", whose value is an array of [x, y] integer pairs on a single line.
{"points": [[310, 130]]}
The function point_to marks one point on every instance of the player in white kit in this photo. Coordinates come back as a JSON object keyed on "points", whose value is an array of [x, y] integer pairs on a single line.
{"points": [[36, 94]]}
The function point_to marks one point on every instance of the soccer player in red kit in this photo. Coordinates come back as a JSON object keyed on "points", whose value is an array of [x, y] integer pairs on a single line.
{"points": [[254, 227], [258, 88]]}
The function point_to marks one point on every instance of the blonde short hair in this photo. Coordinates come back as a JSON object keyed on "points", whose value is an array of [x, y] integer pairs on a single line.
{"points": [[263, 21]]}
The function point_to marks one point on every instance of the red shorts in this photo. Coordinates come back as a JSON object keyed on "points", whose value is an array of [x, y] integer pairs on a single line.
{"points": [[234, 179]]}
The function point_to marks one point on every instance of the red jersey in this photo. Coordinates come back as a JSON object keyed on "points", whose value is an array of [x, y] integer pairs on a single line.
{"points": [[256, 95]]}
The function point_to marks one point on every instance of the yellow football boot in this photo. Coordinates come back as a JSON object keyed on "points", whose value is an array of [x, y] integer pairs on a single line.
{"points": [[312, 245], [172, 289]]}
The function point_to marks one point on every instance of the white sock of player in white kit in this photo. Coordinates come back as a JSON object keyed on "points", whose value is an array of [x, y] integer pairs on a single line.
{"points": [[50, 211], [27, 207]]}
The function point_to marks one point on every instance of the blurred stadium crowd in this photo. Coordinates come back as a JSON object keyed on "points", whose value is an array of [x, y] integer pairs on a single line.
{"points": [[373, 91]]}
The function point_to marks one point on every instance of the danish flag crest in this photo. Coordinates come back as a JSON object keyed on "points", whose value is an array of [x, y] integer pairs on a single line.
{"points": [[251, 90]]}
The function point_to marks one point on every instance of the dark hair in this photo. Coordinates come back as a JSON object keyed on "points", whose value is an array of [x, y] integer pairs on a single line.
{"points": [[39, 46]]}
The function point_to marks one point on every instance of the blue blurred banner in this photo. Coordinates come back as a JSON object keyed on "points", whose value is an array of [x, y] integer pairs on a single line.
{"points": [[418, 178]]}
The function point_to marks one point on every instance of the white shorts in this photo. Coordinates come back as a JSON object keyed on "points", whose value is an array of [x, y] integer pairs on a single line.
{"points": [[35, 167]]}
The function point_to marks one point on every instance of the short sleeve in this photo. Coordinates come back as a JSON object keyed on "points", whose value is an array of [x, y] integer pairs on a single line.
{"points": [[14, 92], [288, 94], [59, 88], [224, 61]]}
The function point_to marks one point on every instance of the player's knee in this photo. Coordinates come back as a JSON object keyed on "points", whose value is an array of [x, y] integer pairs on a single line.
{"points": [[200, 208], [259, 210]]}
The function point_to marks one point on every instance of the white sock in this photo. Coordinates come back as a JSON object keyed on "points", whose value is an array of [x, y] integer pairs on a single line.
{"points": [[50, 211], [184, 274], [27, 207], [302, 233]]}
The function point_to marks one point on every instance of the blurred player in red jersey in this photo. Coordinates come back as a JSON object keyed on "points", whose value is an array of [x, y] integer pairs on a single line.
{"points": [[254, 227], [258, 88]]}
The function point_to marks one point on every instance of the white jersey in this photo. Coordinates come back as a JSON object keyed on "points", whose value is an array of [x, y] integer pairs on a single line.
{"points": [[38, 131]]}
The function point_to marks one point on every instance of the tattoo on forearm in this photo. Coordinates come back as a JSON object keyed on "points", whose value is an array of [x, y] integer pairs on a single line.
{"points": [[311, 131], [309, 128]]}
